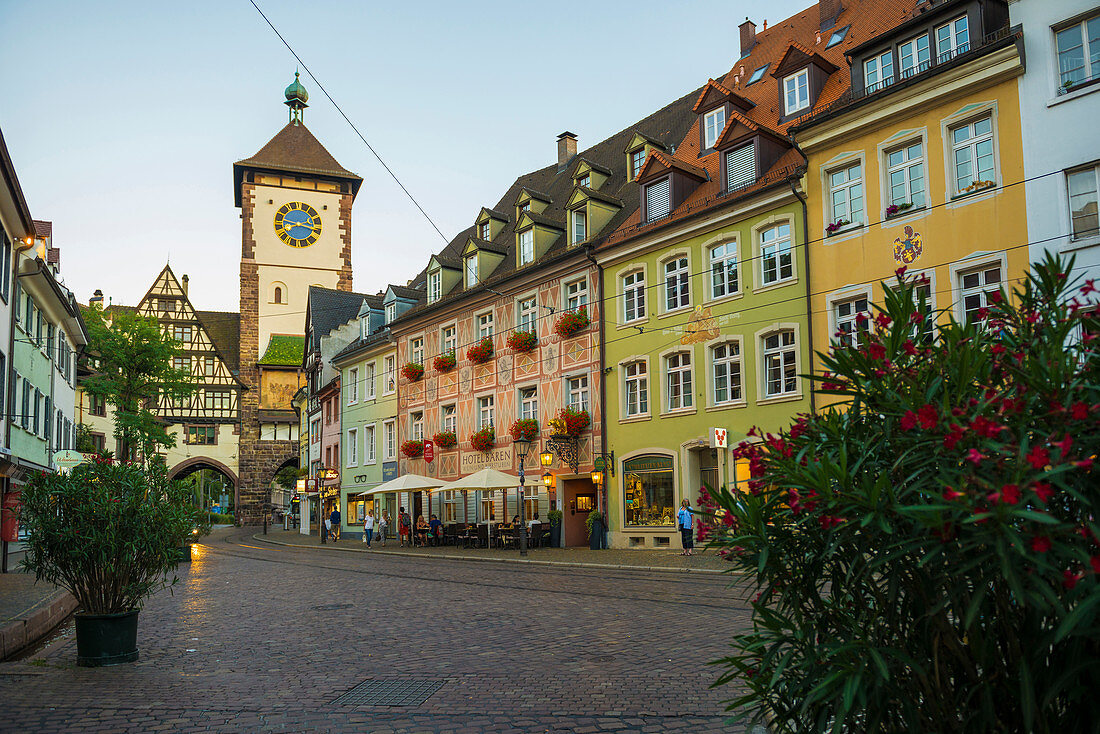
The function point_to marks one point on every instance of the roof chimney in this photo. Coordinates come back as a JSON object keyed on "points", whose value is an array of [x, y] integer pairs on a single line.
{"points": [[567, 148], [748, 36], [96, 299], [828, 11], [185, 281]]}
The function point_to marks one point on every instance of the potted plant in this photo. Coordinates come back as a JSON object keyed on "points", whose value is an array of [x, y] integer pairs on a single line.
{"points": [[413, 449], [483, 440], [895, 209], [836, 226], [570, 323], [570, 422], [412, 371], [445, 439], [481, 352], [109, 533], [594, 523], [555, 517], [522, 342], [527, 428], [444, 362]]}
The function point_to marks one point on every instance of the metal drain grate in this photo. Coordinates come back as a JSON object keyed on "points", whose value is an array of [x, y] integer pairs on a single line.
{"points": [[389, 693], [331, 607]]}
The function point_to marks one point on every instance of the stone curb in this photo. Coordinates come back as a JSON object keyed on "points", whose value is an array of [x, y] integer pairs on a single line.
{"points": [[448, 557], [35, 623]]}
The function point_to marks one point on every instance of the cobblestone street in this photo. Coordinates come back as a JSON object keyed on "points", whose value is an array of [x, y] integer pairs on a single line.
{"points": [[260, 637]]}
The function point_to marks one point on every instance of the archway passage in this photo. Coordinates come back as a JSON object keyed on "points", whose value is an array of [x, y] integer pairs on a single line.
{"points": [[215, 484], [283, 484]]}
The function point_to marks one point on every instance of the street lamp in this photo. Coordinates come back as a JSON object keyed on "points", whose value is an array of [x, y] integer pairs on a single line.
{"points": [[522, 446], [547, 458], [548, 479]]}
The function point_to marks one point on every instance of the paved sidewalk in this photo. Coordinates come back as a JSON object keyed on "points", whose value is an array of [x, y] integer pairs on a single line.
{"points": [[651, 560], [29, 610]]}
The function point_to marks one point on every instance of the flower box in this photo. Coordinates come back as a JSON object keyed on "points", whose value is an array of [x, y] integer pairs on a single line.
{"points": [[481, 352], [896, 209], [413, 449], [836, 226], [483, 440], [445, 439], [522, 342], [527, 428], [976, 186], [444, 362], [570, 422], [570, 323], [412, 371]]}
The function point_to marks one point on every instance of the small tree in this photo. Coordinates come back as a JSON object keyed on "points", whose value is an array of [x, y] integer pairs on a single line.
{"points": [[925, 556], [132, 360]]}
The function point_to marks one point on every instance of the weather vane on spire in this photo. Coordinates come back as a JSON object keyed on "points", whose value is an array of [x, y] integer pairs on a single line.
{"points": [[296, 98]]}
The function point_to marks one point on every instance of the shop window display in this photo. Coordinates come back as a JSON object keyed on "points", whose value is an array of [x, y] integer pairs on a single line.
{"points": [[649, 489]]}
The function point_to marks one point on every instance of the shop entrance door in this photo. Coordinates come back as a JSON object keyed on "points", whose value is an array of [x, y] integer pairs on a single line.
{"points": [[579, 498]]}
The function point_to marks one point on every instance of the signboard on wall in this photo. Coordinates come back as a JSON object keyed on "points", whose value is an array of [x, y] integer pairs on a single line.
{"points": [[719, 438], [498, 458], [389, 470], [429, 451]]}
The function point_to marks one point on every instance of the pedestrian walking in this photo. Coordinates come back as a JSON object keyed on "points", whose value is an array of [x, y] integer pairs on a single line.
{"points": [[334, 518], [683, 519], [383, 526], [404, 528], [368, 527]]}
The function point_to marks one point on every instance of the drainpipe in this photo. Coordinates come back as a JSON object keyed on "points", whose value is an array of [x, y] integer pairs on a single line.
{"points": [[793, 181], [603, 382]]}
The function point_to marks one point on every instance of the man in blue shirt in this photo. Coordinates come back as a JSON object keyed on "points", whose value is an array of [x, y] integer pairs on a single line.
{"points": [[334, 518], [683, 520]]}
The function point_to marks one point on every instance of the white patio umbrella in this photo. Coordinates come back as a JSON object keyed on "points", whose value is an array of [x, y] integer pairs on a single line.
{"points": [[487, 480], [405, 483]]}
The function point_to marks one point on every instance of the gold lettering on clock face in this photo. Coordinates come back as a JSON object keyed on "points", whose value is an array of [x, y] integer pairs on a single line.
{"points": [[297, 224]]}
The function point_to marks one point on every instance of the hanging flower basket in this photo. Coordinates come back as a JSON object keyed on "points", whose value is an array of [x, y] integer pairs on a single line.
{"points": [[444, 362], [481, 352], [445, 439], [483, 440], [412, 449], [570, 422], [570, 323], [525, 428], [412, 371], [521, 342]]}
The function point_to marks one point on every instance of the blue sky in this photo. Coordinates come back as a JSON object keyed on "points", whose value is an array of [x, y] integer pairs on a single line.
{"points": [[124, 118]]}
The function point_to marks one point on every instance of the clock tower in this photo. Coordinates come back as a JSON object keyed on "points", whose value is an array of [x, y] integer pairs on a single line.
{"points": [[295, 202]]}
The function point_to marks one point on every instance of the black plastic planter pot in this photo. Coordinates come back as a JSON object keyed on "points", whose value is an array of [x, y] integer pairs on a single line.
{"points": [[106, 639], [555, 536], [595, 540]]}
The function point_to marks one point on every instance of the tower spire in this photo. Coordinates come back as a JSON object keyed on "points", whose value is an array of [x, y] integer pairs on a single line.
{"points": [[296, 98]]}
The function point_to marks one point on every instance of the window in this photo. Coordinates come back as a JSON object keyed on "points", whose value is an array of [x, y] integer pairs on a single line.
{"points": [[677, 292], [435, 286], [905, 175], [37, 410], [525, 207], [368, 445], [448, 340], [713, 124], [838, 36], [580, 225], [637, 160], [972, 153], [723, 270], [527, 246], [315, 431], [529, 403], [182, 334], [1083, 201], [531, 501], [97, 405], [1079, 52], [634, 296], [678, 380], [471, 270], [182, 363], [353, 386], [776, 261], [528, 314], [25, 414], [926, 330], [449, 501], [485, 325], [352, 453], [850, 329], [200, 435], [913, 56], [576, 294], [975, 288], [448, 418], [389, 437], [368, 382], [485, 412], [846, 194], [740, 167], [796, 92], [637, 389], [726, 367], [576, 392], [5, 263], [416, 426], [391, 312], [780, 376], [758, 74], [416, 350], [217, 399], [878, 72], [488, 507], [649, 491], [47, 420], [277, 296], [585, 181], [952, 39], [209, 366], [657, 200], [483, 231], [388, 373]]}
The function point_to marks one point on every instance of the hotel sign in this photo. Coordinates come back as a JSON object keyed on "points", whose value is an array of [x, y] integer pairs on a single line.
{"points": [[498, 458]]}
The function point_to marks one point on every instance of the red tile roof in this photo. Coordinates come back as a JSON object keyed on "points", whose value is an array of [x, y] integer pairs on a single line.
{"points": [[43, 228]]}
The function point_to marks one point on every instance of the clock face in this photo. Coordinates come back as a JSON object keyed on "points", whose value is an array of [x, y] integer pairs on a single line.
{"points": [[297, 224]]}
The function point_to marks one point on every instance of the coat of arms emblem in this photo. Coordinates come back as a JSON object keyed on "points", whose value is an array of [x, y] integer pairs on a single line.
{"points": [[908, 247]]}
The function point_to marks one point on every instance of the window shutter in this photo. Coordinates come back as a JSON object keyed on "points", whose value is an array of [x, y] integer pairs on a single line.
{"points": [[740, 167], [657, 200]]}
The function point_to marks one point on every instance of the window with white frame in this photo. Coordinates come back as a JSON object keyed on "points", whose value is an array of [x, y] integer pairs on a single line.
{"points": [[368, 445], [952, 39], [391, 312], [779, 363], [389, 439], [677, 291], [740, 167], [368, 381], [449, 502], [976, 287], [448, 339], [634, 296], [352, 453], [529, 403], [485, 411], [713, 124], [448, 417], [353, 386], [527, 246], [576, 294], [878, 71], [484, 325], [389, 373], [757, 74], [471, 270], [416, 350], [435, 286], [483, 231], [796, 92], [851, 329], [1082, 186], [637, 160], [218, 399], [913, 56], [488, 507], [725, 362], [776, 259], [925, 331], [658, 200], [580, 225], [723, 270], [905, 175], [1079, 52], [416, 426], [846, 194], [636, 387], [576, 392], [678, 381], [531, 500], [528, 314], [972, 155]]}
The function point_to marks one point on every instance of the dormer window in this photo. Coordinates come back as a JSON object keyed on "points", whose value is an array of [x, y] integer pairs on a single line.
{"points": [[740, 167], [878, 72], [525, 206], [471, 270], [637, 160], [758, 74], [952, 39], [913, 56], [435, 286], [585, 181], [796, 91], [838, 36], [483, 231], [391, 312], [713, 124], [527, 246], [658, 200], [579, 228]]}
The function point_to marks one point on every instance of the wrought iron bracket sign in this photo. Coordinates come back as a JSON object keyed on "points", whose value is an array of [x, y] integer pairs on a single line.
{"points": [[566, 448]]}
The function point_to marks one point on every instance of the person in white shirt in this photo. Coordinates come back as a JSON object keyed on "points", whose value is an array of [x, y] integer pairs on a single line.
{"points": [[368, 527]]}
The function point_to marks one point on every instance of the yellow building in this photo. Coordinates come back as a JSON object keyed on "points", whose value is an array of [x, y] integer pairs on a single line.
{"points": [[919, 165]]}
